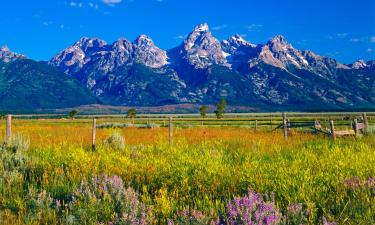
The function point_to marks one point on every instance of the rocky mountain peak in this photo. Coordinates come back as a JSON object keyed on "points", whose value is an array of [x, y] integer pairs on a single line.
{"points": [[122, 45], [279, 39], [279, 44], [234, 42], [144, 41], [8, 56], [238, 39], [4, 48], [360, 64], [201, 49], [146, 53], [202, 28], [90, 45]]}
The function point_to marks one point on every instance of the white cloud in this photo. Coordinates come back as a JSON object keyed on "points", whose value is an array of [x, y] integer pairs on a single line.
{"points": [[370, 50], [372, 39], [111, 2], [180, 37], [74, 4], [355, 40], [47, 23], [342, 35], [254, 27], [220, 27]]}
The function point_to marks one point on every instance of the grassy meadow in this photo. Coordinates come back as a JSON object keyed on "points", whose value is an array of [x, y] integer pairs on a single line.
{"points": [[223, 172]]}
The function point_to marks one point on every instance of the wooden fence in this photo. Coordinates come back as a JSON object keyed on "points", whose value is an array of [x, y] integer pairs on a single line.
{"points": [[359, 127]]}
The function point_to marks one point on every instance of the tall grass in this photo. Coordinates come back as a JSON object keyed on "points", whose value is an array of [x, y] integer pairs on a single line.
{"points": [[307, 178]]}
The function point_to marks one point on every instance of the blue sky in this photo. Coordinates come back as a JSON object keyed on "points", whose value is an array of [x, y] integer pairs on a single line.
{"points": [[342, 29]]}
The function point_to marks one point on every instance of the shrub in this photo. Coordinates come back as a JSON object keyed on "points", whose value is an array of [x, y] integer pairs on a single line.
{"points": [[297, 214], [19, 143], [357, 197], [249, 210], [192, 217], [115, 141], [105, 199], [41, 208], [114, 125], [148, 126]]}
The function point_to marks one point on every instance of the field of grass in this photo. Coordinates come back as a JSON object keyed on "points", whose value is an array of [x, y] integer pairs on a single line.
{"points": [[224, 172]]}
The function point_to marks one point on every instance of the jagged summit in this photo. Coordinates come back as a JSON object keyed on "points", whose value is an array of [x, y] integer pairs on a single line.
{"points": [[200, 49], [279, 39], [202, 69], [8, 56], [202, 28], [4, 48], [359, 64]]}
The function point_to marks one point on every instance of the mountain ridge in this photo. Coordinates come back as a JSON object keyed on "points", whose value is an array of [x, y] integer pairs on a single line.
{"points": [[202, 69]]}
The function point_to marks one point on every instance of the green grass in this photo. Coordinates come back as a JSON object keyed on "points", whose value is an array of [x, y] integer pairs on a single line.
{"points": [[203, 175]]}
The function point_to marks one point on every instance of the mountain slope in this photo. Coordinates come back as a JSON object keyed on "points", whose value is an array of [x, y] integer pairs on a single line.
{"points": [[26, 85], [201, 70]]}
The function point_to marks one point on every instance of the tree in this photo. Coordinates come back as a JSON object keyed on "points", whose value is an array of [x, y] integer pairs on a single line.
{"points": [[73, 114], [132, 113], [203, 111], [220, 108]]}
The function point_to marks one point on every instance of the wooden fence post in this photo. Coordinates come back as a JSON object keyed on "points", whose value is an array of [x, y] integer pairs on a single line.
{"points": [[170, 130], [365, 121], [93, 134], [256, 125], [271, 123], [355, 126], [332, 125], [285, 125], [8, 134]]}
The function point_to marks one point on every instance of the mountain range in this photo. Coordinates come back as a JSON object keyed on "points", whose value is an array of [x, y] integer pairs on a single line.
{"points": [[201, 70]]}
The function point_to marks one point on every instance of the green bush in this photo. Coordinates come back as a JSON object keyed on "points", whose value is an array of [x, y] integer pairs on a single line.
{"points": [[114, 125], [115, 142], [19, 143]]}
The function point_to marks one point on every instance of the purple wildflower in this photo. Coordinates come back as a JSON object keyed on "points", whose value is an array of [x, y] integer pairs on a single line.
{"points": [[251, 210]]}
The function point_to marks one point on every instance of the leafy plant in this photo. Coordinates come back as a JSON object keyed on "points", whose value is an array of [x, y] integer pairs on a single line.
{"points": [[104, 199], [132, 113], [251, 209], [203, 111], [220, 108], [115, 141], [72, 114]]}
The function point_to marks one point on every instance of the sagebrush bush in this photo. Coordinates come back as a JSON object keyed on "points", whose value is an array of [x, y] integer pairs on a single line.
{"points": [[41, 208], [114, 125], [105, 200], [148, 126], [115, 142], [19, 143], [192, 217]]}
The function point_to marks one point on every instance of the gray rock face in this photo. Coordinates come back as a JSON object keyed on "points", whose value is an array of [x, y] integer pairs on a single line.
{"points": [[200, 49], [7, 56], [146, 53], [203, 69]]}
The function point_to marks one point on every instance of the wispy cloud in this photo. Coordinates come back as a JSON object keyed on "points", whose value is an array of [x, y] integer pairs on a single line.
{"points": [[372, 39], [355, 40], [180, 37], [254, 27], [220, 27], [111, 2], [337, 36], [47, 23], [75, 4], [370, 50]]}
